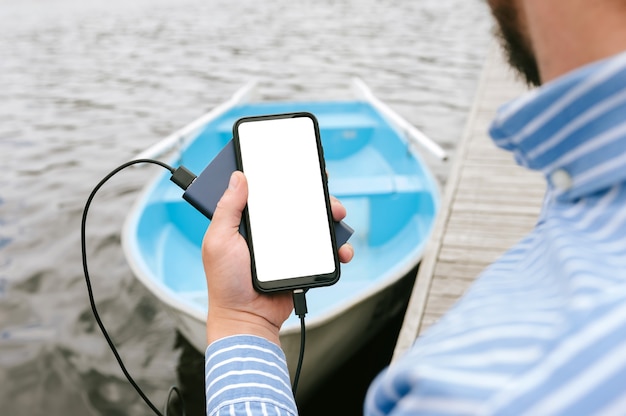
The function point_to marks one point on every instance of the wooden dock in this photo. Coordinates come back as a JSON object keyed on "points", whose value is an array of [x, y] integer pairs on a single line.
{"points": [[489, 203]]}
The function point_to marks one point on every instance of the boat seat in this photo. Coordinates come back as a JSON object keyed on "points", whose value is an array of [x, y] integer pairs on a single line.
{"points": [[375, 185]]}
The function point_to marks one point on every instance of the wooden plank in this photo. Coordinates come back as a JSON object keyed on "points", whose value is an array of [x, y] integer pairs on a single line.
{"points": [[480, 241], [449, 287], [463, 255]]}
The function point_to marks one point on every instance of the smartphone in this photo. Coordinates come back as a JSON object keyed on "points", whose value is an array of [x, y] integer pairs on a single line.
{"points": [[288, 221]]}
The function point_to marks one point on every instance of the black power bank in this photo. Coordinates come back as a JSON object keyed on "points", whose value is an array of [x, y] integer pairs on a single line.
{"points": [[207, 189]]}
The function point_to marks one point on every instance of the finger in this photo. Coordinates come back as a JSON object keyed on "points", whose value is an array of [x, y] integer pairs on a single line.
{"points": [[346, 253], [230, 206], [337, 208]]}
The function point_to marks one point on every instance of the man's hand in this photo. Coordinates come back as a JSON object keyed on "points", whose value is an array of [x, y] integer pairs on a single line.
{"points": [[234, 306]]}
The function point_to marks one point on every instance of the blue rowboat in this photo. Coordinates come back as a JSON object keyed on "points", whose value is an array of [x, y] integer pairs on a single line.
{"points": [[374, 168]]}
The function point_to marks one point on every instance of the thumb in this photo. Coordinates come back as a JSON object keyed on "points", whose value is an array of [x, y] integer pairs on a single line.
{"points": [[229, 208]]}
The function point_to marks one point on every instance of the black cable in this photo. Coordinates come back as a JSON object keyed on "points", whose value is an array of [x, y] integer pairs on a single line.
{"points": [[183, 178], [88, 279], [300, 308]]}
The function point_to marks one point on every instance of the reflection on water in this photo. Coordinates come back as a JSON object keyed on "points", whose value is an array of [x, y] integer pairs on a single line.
{"points": [[85, 85]]}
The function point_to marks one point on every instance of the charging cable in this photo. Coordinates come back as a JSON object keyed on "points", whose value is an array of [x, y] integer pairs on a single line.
{"points": [[299, 306], [182, 177]]}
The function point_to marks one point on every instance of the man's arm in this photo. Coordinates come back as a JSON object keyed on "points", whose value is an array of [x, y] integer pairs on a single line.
{"points": [[246, 371]]}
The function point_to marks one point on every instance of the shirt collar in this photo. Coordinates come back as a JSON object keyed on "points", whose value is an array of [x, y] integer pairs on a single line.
{"points": [[573, 129]]}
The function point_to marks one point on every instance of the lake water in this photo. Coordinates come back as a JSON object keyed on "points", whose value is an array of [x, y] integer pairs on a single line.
{"points": [[86, 85]]}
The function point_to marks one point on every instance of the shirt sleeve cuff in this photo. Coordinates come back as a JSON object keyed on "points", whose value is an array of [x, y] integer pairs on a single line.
{"points": [[249, 372]]}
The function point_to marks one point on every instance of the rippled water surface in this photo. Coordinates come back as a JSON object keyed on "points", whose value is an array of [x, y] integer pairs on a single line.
{"points": [[85, 85]]}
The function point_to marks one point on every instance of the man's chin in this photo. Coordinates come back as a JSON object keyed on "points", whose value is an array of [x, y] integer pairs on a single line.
{"points": [[520, 59], [510, 32]]}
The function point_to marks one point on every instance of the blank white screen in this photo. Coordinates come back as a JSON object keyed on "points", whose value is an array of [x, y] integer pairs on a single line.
{"points": [[286, 204]]}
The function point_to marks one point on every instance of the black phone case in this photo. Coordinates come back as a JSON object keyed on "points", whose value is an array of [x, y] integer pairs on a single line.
{"points": [[207, 189]]}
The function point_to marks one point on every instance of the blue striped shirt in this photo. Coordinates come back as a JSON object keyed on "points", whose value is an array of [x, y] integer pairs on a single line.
{"points": [[542, 331]]}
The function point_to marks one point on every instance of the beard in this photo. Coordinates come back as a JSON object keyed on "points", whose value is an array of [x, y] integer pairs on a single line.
{"points": [[516, 45]]}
